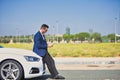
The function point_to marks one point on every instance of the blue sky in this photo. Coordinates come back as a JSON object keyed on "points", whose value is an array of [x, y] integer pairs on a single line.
{"points": [[24, 17]]}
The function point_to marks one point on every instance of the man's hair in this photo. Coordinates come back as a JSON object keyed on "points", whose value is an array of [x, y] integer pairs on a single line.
{"points": [[44, 26]]}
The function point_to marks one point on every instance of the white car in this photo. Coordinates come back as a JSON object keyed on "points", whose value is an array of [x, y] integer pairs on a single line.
{"points": [[16, 64]]}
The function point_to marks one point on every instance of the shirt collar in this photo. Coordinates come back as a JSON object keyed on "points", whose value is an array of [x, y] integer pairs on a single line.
{"points": [[42, 35]]}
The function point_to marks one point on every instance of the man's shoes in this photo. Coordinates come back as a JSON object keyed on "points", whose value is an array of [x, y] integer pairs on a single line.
{"points": [[58, 77]]}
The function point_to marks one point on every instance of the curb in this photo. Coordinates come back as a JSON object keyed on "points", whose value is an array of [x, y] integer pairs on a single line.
{"points": [[87, 63]]}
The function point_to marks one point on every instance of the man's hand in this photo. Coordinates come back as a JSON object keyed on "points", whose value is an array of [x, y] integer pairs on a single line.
{"points": [[50, 45]]}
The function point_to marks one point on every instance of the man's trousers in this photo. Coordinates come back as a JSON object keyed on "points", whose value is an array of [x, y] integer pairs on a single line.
{"points": [[48, 60]]}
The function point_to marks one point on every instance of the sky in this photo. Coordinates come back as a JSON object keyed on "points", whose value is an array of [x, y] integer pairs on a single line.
{"points": [[24, 17]]}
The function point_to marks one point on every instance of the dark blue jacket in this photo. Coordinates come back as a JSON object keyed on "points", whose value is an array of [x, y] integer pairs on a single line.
{"points": [[40, 44]]}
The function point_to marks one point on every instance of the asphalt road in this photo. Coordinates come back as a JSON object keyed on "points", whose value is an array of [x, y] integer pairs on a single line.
{"points": [[85, 75], [86, 69]]}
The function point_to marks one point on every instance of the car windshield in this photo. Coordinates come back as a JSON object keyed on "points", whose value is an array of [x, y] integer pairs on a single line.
{"points": [[1, 46]]}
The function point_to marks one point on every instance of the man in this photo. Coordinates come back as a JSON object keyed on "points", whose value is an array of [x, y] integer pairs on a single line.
{"points": [[40, 48]]}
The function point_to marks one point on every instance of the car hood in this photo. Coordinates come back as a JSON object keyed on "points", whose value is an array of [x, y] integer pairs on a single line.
{"points": [[17, 51]]}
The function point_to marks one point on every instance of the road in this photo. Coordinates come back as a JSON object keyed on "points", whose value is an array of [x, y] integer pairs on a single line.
{"points": [[85, 75], [86, 69]]}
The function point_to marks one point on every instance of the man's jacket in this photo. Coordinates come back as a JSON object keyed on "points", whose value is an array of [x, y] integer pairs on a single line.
{"points": [[40, 44]]}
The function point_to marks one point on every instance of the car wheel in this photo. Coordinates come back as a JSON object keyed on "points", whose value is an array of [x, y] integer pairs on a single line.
{"points": [[11, 70]]}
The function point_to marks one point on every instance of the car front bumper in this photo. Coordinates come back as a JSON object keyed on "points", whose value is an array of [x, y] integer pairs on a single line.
{"points": [[33, 69]]}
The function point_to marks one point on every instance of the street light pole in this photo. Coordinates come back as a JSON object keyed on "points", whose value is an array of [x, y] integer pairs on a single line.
{"points": [[115, 28], [57, 30], [53, 33]]}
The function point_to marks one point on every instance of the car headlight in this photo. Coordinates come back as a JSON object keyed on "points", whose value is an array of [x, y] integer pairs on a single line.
{"points": [[32, 59]]}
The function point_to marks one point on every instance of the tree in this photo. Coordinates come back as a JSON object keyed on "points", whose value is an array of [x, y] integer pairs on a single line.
{"points": [[59, 39], [67, 37], [72, 37], [112, 37], [105, 39], [83, 36], [96, 36]]}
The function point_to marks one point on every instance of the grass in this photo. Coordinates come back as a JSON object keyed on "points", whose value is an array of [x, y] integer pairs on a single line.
{"points": [[77, 50]]}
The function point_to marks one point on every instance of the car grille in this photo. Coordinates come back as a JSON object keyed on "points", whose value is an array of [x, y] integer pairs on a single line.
{"points": [[34, 70]]}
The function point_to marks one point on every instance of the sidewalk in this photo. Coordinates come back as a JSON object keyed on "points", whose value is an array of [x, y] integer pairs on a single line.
{"points": [[87, 63]]}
